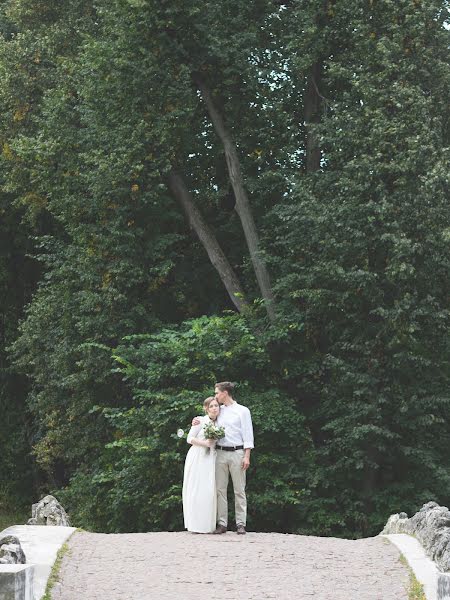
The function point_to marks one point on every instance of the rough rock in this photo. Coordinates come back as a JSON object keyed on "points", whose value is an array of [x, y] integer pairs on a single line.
{"points": [[11, 552], [431, 526], [48, 511], [397, 524]]}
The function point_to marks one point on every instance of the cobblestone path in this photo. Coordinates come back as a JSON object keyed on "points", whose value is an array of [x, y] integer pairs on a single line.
{"points": [[257, 566]]}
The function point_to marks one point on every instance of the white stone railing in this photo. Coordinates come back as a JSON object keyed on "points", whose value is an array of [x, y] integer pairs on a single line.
{"points": [[41, 545], [430, 526]]}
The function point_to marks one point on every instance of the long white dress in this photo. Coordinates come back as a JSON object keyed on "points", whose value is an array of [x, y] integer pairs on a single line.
{"points": [[199, 485]]}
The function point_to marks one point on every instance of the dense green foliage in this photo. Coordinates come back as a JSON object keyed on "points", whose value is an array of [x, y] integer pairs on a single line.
{"points": [[17, 279], [115, 324], [136, 483]]}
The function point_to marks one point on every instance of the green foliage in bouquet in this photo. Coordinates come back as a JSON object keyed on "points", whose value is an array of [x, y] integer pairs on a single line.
{"points": [[213, 432]]}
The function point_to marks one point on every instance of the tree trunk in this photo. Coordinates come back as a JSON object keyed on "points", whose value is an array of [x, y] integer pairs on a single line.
{"points": [[208, 239], [242, 203], [312, 107]]}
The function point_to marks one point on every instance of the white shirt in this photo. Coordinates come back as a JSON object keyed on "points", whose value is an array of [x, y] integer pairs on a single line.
{"points": [[237, 421]]}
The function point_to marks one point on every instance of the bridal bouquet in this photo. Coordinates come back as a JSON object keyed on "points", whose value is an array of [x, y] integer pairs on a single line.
{"points": [[213, 432]]}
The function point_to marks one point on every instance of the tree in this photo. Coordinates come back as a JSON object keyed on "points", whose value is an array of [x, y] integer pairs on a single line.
{"points": [[206, 236], [365, 256], [242, 202]]}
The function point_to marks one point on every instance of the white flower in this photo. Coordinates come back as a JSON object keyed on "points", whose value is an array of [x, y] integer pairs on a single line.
{"points": [[180, 433]]}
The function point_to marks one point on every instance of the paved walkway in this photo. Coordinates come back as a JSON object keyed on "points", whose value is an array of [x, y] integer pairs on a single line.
{"points": [[257, 566]]}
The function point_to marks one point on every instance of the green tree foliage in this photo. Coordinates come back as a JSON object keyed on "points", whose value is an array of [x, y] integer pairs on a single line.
{"points": [[365, 246], [338, 112], [16, 281]]}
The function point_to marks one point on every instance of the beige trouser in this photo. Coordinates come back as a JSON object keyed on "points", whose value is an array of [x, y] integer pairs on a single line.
{"points": [[230, 463]]}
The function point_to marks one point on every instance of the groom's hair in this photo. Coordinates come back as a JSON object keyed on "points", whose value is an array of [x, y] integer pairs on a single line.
{"points": [[226, 386]]}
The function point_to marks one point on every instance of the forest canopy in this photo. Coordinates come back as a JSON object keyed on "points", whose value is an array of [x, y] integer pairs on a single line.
{"points": [[251, 191]]}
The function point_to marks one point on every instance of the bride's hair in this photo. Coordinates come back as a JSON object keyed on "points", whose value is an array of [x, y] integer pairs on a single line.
{"points": [[207, 402], [226, 386]]}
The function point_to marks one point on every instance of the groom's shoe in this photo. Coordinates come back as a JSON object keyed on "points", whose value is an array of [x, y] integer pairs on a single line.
{"points": [[240, 530], [220, 529]]}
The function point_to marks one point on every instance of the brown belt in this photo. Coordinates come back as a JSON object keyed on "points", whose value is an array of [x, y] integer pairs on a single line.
{"points": [[230, 448]]}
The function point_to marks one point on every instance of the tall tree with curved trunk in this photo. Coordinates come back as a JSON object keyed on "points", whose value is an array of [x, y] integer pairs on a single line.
{"points": [[242, 202], [206, 236]]}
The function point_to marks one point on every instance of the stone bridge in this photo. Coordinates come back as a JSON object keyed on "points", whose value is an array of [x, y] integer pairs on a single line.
{"points": [[257, 566]]}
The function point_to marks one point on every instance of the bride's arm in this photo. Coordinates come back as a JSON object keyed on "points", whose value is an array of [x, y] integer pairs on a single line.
{"points": [[206, 443], [194, 440]]}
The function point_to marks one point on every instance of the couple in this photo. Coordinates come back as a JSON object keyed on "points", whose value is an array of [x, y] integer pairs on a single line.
{"points": [[209, 464]]}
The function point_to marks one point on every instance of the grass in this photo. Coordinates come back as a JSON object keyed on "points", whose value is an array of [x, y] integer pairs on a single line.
{"points": [[54, 574], [415, 589], [13, 517]]}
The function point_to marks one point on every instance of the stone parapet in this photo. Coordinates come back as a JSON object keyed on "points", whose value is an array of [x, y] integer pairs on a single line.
{"points": [[431, 526], [443, 586], [17, 582], [41, 545]]}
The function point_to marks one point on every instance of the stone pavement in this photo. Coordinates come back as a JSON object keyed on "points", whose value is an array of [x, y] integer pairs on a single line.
{"points": [[257, 566]]}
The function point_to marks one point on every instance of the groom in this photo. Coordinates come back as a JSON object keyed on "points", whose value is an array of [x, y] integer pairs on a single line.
{"points": [[233, 456]]}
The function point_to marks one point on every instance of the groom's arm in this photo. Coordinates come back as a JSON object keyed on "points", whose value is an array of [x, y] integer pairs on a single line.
{"points": [[246, 459], [247, 435]]}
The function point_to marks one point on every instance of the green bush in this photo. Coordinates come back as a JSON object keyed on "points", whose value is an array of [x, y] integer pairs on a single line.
{"points": [[135, 485]]}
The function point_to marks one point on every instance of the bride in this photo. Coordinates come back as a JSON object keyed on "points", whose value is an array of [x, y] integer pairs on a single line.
{"points": [[199, 483]]}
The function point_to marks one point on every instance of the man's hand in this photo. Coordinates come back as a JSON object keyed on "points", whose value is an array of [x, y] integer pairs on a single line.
{"points": [[195, 421], [246, 461]]}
